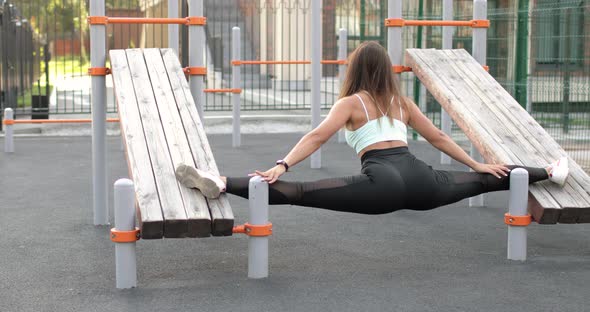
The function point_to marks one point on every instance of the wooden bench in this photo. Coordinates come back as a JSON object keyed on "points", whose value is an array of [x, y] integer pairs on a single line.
{"points": [[501, 130], [162, 128]]}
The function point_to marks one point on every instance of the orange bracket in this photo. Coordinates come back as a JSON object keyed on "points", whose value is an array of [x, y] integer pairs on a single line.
{"points": [[517, 220], [98, 20], [99, 71], [400, 69], [486, 68], [480, 23], [8, 122], [195, 71], [394, 22], [254, 230], [125, 236], [196, 20]]}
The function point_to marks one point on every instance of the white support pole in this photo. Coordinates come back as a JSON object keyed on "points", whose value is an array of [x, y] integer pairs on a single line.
{"points": [[316, 74], [9, 131], [173, 36], [195, 47], [342, 54], [447, 43], [480, 8], [394, 34], [236, 54], [517, 206], [258, 246], [99, 116], [125, 259]]}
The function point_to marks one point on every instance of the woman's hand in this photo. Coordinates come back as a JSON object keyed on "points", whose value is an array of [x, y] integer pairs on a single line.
{"points": [[271, 175], [497, 170]]}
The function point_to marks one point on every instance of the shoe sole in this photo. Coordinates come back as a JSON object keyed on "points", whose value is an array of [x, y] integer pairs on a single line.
{"points": [[192, 178]]}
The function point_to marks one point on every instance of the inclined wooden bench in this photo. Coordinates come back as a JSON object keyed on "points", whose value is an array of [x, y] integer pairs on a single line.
{"points": [[501, 130], [162, 128]]}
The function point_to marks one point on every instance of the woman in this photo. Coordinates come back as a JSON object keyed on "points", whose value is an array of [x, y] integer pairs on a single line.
{"points": [[375, 116]]}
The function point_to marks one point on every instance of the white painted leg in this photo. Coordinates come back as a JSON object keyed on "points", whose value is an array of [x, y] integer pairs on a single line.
{"points": [[258, 246], [125, 259], [519, 189], [8, 131]]}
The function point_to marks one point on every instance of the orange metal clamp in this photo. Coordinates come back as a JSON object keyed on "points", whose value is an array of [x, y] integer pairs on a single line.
{"points": [[195, 71], [98, 20], [196, 20], [517, 220], [125, 236], [400, 69], [8, 122], [99, 71], [254, 230]]}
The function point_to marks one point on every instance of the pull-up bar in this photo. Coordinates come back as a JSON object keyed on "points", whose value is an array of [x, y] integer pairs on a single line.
{"points": [[325, 62], [189, 21], [400, 22]]}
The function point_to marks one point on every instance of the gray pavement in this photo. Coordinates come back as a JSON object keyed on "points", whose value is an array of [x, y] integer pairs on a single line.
{"points": [[450, 259]]}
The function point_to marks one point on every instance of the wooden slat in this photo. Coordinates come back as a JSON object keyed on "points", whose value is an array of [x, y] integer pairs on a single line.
{"points": [[221, 213], [199, 220], [466, 120], [175, 218], [459, 82], [150, 211], [572, 197]]}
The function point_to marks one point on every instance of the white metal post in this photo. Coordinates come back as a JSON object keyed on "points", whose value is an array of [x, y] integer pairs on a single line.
{"points": [[316, 74], [447, 43], [394, 34], [99, 116], [258, 246], [8, 131], [517, 206], [479, 54], [195, 47], [173, 36], [125, 259], [236, 54], [342, 53]]}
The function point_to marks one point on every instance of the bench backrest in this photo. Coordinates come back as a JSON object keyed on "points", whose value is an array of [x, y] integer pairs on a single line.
{"points": [[501, 130], [161, 128]]}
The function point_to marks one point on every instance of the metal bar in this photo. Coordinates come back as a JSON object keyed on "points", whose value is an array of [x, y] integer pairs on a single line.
{"points": [[196, 45], [173, 40], [447, 43], [98, 98], [316, 74], [417, 85], [59, 121], [342, 53], [480, 8], [125, 259], [253, 62], [475, 23], [394, 34], [235, 82], [9, 131], [258, 246], [517, 206], [154, 20], [521, 64]]}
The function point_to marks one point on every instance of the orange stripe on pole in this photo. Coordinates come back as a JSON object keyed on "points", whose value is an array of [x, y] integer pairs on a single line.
{"points": [[8, 122], [400, 22], [222, 90], [57, 121], [401, 69], [327, 62], [104, 20]]}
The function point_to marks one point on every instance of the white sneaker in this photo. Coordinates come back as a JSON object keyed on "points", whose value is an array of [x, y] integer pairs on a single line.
{"points": [[209, 184], [559, 171]]}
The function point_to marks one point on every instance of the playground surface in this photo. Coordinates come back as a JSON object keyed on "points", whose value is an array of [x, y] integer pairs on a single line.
{"points": [[449, 259]]}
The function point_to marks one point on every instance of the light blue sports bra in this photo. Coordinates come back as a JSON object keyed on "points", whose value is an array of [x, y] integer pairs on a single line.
{"points": [[376, 130]]}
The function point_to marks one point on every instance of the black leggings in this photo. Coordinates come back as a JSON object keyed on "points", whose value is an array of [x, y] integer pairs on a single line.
{"points": [[392, 179]]}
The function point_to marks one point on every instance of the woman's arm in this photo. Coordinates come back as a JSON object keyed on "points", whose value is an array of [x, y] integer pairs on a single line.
{"points": [[445, 144], [337, 117]]}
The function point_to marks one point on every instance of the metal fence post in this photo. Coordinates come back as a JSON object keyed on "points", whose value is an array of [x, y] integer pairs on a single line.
{"points": [[342, 53], [447, 43], [479, 53], [99, 116], [8, 131], [517, 206], [173, 39], [125, 259], [236, 79], [195, 48], [316, 74], [258, 246]]}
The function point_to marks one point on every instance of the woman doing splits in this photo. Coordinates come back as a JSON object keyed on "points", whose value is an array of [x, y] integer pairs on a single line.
{"points": [[375, 117]]}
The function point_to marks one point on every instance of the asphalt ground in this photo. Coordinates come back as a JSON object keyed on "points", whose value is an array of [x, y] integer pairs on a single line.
{"points": [[450, 259]]}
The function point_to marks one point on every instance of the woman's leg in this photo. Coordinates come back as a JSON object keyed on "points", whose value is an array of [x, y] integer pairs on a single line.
{"points": [[458, 185]]}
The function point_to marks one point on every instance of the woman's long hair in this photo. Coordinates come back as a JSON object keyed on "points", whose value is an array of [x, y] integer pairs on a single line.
{"points": [[369, 69]]}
